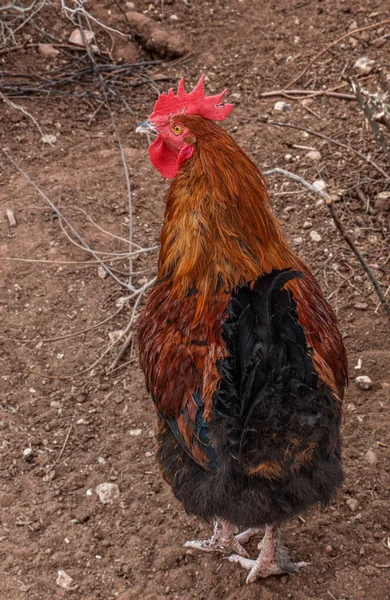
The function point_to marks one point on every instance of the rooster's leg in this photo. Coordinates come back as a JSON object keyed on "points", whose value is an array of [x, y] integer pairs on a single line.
{"points": [[224, 540], [272, 560]]}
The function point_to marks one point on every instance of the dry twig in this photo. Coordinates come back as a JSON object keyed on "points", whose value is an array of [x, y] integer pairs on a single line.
{"points": [[329, 46], [341, 229], [367, 159]]}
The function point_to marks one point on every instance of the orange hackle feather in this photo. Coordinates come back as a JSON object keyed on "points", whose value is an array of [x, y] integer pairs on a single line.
{"points": [[218, 233]]}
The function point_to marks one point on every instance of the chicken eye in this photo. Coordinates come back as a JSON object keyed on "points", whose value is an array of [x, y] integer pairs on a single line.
{"points": [[177, 129]]}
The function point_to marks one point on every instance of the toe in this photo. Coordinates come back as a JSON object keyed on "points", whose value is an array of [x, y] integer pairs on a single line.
{"points": [[246, 563]]}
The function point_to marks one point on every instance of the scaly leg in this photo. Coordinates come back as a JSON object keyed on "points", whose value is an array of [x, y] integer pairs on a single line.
{"points": [[224, 540], [272, 560]]}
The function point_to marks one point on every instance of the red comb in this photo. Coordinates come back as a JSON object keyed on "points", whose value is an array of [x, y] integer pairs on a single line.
{"points": [[192, 103]]}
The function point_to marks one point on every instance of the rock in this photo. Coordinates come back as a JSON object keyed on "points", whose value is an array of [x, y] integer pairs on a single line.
{"points": [[282, 107], [315, 237], [108, 492], [364, 65], [11, 217], [28, 454], [115, 335], [307, 225], [154, 38], [382, 201], [352, 503], [102, 273], [361, 305], [49, 139], [371, 458], [65, 581], [288, 157], [320, 203], [320, 185], [298, 241], [314, 155], [135, 432], [48, 50], [77, 39], [363, 382]]}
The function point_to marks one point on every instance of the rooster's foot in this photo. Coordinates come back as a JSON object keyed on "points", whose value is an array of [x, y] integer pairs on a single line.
{"points": [[224, 540], [272, 560]]}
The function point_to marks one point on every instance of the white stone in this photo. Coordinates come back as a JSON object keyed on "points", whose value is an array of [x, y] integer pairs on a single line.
{"points": [[108, 492], [282, 106], [49, 139], [314, 155], [364, 65], [307, 225], [320, 185], [27, 454], [315, 236], [135, 432], [363, 382], [64, 580]]}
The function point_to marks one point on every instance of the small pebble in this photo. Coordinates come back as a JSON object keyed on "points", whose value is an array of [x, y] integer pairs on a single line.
{"points": [[282, 106], [320, 185], [361, 305], [307, 225], [64, 580], [28, 454], [352, 503], [320, 203], [363, 382], [314, 155], [364, 65], [371, 458], [298, 241], [49, 139], [315, 236], [107, 492], [135, 432]]}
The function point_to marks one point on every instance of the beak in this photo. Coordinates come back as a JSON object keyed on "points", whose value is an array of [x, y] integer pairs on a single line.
{"points": [[148, 128]]}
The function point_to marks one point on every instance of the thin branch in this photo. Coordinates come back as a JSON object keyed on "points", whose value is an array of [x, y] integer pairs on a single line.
{"points": [[25, 112], [296, 178], [71, 13], [341, 229], [117, 237], [128, 330], [310, 93], [122, 153], [330, 140], [325, 50], [64, 219]]}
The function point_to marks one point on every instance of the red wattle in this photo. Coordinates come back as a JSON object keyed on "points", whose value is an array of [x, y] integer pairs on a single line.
{"points": [[166, 159]]}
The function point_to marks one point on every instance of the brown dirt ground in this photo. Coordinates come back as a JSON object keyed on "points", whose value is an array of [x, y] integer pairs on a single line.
{"points": [[133, 549]]}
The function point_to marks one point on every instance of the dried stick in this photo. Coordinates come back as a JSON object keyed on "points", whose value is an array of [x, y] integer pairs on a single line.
{"points": [[122, 153], [33, 13], [341, 229], [117, 237], [322, 52], [25, 112], [64, 219], [62, 450], [310, 93], [330, 140], [365, 105], [79, 9], [128, 330]]}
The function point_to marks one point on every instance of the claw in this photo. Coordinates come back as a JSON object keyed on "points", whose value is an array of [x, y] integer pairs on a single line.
{"points": [[272, 560]]}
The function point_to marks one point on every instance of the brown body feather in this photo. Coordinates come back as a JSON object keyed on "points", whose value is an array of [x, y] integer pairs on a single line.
{"points": [[219, 233]]}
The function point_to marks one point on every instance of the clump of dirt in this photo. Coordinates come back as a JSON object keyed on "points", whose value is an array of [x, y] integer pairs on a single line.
{"points": [[67, 427]]}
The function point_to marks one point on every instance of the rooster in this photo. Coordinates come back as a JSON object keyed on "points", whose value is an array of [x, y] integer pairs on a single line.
{"points": [[241, 353]]}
